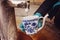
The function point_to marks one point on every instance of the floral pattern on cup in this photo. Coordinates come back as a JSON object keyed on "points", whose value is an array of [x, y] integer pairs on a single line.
{"points": [[30, 26]]}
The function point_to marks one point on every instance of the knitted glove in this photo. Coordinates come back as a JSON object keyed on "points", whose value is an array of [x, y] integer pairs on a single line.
{"points": [[22, 27], [39, 22]]}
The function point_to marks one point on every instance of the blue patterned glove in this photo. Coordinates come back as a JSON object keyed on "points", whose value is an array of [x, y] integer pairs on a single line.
{"points": [[39, 22]]}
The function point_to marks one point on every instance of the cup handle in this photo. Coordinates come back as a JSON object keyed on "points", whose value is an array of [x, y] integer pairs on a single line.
{"points": [[43, 23]]}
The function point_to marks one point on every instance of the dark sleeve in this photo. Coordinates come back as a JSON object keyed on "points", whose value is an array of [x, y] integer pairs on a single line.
{"points": [[46, 6]]}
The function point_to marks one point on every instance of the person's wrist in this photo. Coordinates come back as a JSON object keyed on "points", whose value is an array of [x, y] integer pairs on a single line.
{"points": [[37, 14]]}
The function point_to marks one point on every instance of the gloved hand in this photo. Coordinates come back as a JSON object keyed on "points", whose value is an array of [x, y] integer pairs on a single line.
{"points": [[22, 27], [39, 22]]}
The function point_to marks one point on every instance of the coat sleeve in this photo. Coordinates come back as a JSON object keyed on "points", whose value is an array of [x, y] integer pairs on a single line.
{"points": [[46, 6]]}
